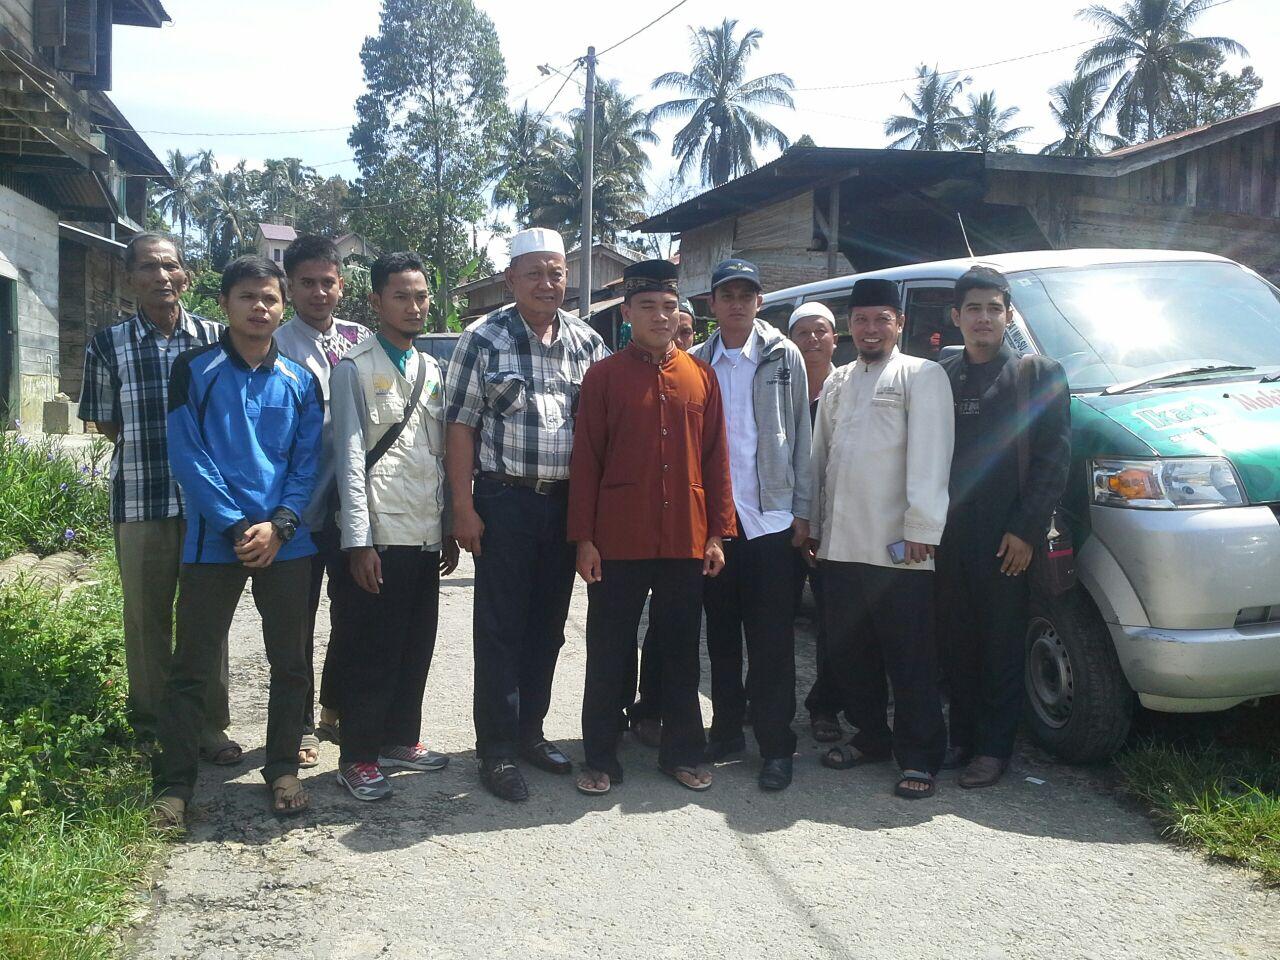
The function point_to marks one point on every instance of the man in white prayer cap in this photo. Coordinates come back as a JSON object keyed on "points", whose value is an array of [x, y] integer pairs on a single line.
{"points": [[511, 396], [813, 329]]}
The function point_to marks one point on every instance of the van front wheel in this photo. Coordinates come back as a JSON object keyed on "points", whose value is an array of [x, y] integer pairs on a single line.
{"points": [[1079, 706]]}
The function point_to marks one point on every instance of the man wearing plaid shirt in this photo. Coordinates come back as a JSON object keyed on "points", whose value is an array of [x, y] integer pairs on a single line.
{"points": [[511, 395], [125, 395]]}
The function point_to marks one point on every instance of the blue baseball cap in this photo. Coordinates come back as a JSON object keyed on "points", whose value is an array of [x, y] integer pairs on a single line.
{"points": [[736, 270]]}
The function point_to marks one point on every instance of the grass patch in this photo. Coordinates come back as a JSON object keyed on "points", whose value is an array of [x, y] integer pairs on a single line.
{"points": [[52, 498], [1222, 796], [74, 839], [70, 874]]}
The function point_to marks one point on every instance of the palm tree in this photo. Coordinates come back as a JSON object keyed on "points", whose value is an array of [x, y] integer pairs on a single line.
{"points": [[986, 129], [621, 130], [524, 146], [228, 213], [1147, 47], [935, 122], [555, 193], [283, 183], [1075, 106], [555, 186], [723, 125], [179, 202]]}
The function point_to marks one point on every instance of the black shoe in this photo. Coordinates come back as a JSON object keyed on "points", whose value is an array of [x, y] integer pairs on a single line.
{"points": [[956, 758], [776, 774], [504, 780], [545, 755]]}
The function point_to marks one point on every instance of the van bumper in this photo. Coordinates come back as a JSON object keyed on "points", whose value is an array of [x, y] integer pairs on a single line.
{"points": [[1193, 671]]}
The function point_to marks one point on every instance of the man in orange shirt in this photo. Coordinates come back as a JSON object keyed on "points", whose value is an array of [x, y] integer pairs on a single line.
{"points": [[649, 502]]}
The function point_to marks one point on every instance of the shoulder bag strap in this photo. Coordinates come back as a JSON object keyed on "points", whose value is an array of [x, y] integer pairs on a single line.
{"points": [[391, 436]]}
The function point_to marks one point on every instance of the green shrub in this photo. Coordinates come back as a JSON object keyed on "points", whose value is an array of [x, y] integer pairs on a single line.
{"points": [[62, 694], [52, 498]]}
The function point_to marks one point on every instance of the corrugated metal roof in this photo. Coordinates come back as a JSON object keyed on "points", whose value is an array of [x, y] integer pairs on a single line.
{"points": [[278, 231]]}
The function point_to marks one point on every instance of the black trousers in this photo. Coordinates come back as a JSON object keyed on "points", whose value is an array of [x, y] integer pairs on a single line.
{"points": [[524, 581], [878, 617], [824, 698], [982, 620], [675, 619], [648, 705], [328, 559], [207, 597], [754, 596], [390, 638]]}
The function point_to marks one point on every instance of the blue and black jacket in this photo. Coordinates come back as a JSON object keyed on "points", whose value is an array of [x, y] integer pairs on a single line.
{"points": [[244, 445]]}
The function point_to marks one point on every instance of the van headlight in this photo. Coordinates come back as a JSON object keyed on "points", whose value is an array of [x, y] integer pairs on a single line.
{"points": [[1186, 483]]}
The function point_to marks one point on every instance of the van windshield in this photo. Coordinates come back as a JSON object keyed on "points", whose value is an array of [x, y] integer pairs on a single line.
{"points": [[1119, 322]]}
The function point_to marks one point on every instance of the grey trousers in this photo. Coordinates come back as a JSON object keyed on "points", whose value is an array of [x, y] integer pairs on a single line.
{"points": [[209, 595], [149, 554]]}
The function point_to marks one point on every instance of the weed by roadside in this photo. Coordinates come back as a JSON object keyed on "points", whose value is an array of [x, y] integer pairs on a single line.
{"points": [[1222, 796], [74, 837], [52, 499]]}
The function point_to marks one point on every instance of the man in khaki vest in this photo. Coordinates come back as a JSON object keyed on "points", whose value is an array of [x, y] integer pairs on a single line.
{"points": [[388, 422]]}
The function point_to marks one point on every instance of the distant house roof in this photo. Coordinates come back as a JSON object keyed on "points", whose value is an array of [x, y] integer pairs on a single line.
{"points": [[808, 168], [277, 231]]}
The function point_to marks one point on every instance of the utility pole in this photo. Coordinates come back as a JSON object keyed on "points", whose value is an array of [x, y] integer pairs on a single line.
{"points": [[588, 185]]}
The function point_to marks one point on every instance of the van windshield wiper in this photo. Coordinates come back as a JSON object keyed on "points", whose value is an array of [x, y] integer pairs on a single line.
{"points": [[1174, 375]]}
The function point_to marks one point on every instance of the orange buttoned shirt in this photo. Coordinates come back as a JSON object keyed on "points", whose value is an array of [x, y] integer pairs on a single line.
{"points": [[650, 470]]}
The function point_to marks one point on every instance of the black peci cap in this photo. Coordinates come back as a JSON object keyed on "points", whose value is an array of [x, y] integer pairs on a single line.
{"points": [[650, 275], [873, 292]]}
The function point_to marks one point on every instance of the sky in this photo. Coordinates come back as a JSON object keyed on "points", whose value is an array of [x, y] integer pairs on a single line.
{"points": [[227, 67]]}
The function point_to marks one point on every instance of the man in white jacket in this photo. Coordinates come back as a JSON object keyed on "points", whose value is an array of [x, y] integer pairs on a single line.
{"points": [[388, 425], [882, 447]]}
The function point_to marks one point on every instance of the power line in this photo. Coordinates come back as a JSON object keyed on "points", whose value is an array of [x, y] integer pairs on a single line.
{"points": [[559, 90], [979, 66], [213, 133], [632, 36]]}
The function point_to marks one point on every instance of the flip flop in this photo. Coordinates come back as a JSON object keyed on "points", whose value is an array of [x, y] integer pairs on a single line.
{"points": [[331, 731], [915, 776], [310, 743], [283, 789], [696, 787], [226, 755], [594, 776], [169, 814]]}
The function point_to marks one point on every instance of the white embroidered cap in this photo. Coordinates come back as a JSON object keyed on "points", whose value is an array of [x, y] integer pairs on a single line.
{"points": [[811, 309], [536, 240]]}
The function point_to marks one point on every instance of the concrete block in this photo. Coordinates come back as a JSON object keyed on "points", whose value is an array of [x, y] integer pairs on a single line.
{"points": [[60, 416]]}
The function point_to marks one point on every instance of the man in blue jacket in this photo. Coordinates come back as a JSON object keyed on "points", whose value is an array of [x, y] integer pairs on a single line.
{"points": [[244, 443]]}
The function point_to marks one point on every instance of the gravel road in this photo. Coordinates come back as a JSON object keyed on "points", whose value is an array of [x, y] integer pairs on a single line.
{"points": [[835, 867]]}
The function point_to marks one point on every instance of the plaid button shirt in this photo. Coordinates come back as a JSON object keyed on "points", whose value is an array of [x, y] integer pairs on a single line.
{"points": [[126, 382], [522, 394]]}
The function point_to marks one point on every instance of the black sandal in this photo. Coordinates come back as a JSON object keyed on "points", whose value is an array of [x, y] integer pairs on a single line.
{"points": [[847, 756], [915, 776]]}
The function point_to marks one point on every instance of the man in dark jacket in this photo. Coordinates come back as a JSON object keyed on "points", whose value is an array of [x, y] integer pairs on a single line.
{"points": [[999, 510]]}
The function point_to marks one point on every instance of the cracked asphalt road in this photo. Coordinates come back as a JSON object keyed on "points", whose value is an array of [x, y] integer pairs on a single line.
{"points": [[835, 867]]}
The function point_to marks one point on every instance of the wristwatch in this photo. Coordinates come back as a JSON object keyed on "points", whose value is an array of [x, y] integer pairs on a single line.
{"points": [[285, 527]]}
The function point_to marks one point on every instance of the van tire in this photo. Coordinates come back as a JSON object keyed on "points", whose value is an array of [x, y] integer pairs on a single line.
{"points": [[1079, 706]]}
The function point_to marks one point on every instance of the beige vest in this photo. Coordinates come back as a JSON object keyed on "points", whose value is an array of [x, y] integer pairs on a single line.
{"points": [[405, 488]]}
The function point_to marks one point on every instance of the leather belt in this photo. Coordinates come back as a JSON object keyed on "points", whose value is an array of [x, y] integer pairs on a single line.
{"points": [[544, 487]]}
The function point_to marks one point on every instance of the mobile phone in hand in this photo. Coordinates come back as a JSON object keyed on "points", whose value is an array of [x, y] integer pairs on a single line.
{"points": [[898, 551]]}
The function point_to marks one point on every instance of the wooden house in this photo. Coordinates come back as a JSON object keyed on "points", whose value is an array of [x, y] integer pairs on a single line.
{"points": [[820, 212], [74, 176]]}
